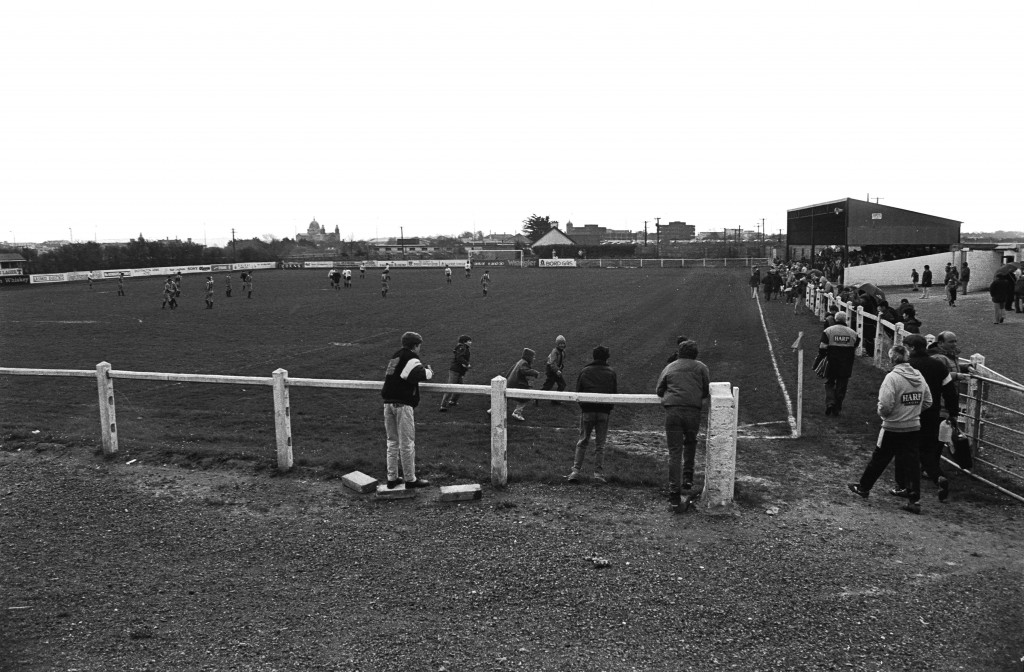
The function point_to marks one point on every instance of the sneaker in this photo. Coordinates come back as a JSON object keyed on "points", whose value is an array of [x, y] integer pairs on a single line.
{"points": [[573, 477], [418, 483], [518, 416], [395, 483], [453, 403], [443, 409], [899, 492], [828, 410], [675, 499], [943, 483], [599, 477], [855, 489], [912, 507]]}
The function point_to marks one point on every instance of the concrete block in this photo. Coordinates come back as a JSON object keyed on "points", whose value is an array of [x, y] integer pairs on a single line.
{"points": [[398, 492], [460, 493], [360, 482]]}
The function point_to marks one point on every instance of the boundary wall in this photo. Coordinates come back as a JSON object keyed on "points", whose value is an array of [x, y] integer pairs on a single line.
{"points": [[154, 271], [723, 416], [983, 264]]}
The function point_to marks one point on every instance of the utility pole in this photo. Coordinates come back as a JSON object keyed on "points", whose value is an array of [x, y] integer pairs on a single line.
{"points": [[645, 233], [401, 232], [234, 248], [657, 234]]}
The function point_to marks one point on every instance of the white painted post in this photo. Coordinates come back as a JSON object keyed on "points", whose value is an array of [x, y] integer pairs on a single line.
{"points": [[799, 391], [499, 432], [878, 354], [860, 330], [108, 414], [972, 426], [282, 420], [720, 460]]}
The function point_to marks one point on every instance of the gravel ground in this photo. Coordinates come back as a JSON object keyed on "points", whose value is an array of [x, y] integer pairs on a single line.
{"points": [[108, 566]]}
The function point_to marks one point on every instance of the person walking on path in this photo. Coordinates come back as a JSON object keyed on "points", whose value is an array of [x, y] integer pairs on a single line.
{"points": [[401, 394], [997, 290], [457, 371], [553, 367], [926, 281], [901, 398], [839, 344], [941, 385], [684, 386], [952, 283], [596, 377], [519, 378]]}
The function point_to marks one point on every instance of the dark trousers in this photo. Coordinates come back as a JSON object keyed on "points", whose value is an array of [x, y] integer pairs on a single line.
{"points": [[553, 381], [681, 426], [835, 392], [903, 446]]}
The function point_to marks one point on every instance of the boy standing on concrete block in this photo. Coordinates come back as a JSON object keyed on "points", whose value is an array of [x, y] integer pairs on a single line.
{"points": [[401, 393]]}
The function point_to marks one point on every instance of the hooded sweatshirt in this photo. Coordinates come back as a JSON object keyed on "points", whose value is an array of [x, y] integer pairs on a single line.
{"points": [[901, 398], [522, 372]]}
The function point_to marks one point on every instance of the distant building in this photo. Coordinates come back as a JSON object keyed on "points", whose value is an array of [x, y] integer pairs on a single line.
{"points": [[399, 247], [316, 233], [593, 234], [677, 232], [550, 239]]}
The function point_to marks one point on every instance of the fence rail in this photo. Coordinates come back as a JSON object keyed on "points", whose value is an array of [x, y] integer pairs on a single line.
{"points": [[722, 419]]}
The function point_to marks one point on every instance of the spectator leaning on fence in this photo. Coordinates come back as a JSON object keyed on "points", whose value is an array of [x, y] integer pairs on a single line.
{"points": [[401, 393], [901, 398], [596, 377], [683, 386]]}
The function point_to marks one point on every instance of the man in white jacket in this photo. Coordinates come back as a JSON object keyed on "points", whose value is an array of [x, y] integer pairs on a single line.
{"points": [[901, 398]]}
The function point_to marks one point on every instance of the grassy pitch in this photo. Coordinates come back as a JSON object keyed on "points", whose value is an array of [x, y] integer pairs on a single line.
{"points": [[297, 322]]}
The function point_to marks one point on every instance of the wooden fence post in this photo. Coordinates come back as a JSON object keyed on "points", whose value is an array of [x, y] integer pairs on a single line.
{"points": [[860, 330], [108, 412], [282, 420], [876, 356], [720, 469], [499, 432]]}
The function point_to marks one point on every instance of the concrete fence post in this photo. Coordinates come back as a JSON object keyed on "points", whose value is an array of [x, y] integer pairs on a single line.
{"points": [[108, 412], [720, 467], [897, 334], [282, 420], [499, 432]]}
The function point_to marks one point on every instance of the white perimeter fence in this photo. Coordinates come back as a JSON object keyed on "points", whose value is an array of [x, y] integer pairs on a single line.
{"points": [[720, 459], [990, 402]]}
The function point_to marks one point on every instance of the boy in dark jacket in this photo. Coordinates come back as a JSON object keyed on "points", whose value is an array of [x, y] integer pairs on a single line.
{"points": [[401, 393], [457, 370], [519, 378], [595, 377]]}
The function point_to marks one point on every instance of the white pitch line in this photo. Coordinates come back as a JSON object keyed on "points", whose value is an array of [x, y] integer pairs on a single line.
{"points": [[778, 374]]}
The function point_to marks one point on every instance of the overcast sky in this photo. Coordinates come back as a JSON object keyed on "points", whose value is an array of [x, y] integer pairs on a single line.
{"points": [[190, 119]]}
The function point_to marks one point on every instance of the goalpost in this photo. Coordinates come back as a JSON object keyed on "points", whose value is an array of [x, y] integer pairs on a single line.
{"points": [[496, 257]]}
